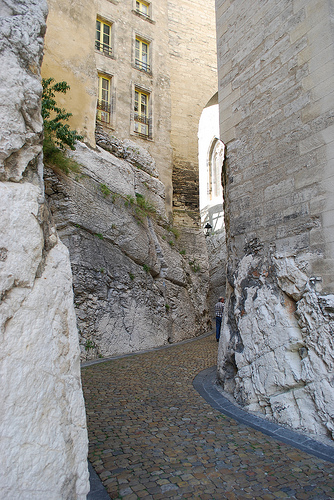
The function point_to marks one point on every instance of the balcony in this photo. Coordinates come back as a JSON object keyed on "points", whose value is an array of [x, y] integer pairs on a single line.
{"points": [[143, 126], [104, 48], [143, 66], [141, 13], [103, 112]]}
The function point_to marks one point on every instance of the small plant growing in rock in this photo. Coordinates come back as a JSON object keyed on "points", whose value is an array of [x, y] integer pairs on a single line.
{"points": [[146, 268], [167, 307], [171, 242], [182, 252], [57, 134], [194, 266], [131, 276], [144, 204], [129, 200], [105, 190], [174, 230], [100, 236], [89, 344]]}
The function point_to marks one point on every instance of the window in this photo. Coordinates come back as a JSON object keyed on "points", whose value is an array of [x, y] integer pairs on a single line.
{"points": [[142, 8], [142, 55], [216, 160], [103, 37], [141, 120], [103, 103]]}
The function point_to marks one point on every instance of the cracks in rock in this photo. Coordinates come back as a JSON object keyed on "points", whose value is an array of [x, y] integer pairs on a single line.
{"points": [[158, 249]]}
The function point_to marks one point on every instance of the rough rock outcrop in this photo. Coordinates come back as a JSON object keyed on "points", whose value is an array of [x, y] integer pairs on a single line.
{"points": [[42, 416], [216, 245], [137, 282], [277, 350]]}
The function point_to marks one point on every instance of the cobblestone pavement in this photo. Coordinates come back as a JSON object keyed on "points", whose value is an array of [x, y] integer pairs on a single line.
{"points": [[152, 436]]}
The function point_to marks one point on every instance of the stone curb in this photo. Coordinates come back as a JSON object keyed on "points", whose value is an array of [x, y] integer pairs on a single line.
{"points": [[97, 490], [205, 384]]}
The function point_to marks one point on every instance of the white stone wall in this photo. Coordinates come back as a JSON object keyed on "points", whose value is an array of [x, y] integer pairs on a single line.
{"points": [[43, 433], [276, 76]]}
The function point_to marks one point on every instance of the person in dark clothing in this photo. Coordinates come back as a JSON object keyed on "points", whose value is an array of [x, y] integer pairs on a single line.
{"points": [[219, 311]]}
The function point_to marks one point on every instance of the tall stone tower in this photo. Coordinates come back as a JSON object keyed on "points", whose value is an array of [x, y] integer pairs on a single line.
{"points": [[276, 76]]}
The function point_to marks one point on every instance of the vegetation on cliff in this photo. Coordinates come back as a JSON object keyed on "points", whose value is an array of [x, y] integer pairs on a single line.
{"points": [[57, 134]]}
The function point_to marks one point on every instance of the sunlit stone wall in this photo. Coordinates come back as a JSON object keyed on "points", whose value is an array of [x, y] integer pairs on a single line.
{"points": [[276, 76]]}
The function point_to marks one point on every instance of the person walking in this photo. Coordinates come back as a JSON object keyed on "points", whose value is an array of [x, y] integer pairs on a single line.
{"points": [[219, 311]]}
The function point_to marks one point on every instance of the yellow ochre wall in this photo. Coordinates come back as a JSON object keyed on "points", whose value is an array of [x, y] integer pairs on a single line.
{"points": [[69, 56]]}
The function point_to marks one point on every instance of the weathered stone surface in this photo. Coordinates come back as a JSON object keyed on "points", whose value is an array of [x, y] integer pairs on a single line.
{"points": [[276, 119], [277, 355], [216, 245], [42, 416], [133, 153], [136, 283], [21, 124]]}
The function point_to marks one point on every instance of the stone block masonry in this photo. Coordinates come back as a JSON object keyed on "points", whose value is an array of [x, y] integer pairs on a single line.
{"points": [[180, 79], [276, 78], [193, 71]]}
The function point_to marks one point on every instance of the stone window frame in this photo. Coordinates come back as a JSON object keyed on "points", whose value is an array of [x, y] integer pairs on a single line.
{"points": [[214, 176], [138, 63]]}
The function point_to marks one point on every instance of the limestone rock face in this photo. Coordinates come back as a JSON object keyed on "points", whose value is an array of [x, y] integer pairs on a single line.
{"points": [[277, 351], [42, 416], [137, 283], [216, 245]]}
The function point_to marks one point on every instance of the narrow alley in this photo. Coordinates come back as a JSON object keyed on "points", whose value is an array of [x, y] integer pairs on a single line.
{"points": [[152, 436]]}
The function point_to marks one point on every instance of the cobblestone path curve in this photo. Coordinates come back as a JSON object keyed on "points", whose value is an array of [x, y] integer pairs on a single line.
{"points": [[152, 436]]}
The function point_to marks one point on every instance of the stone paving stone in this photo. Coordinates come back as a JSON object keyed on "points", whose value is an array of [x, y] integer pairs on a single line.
{"points": [[152, 436]]}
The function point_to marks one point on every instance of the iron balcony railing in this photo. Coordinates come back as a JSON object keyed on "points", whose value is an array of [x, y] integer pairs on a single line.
{"points": [[103, 111], [142, 65], [103, 47], [142, 13], [144, 125]]}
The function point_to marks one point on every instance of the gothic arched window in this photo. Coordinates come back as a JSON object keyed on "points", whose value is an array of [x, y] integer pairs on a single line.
{"points": [[215, 163]]}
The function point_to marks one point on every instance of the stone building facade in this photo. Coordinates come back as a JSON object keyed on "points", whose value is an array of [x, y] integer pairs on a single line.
{"points": [[137, 67], [134, 100], [276, 75]]}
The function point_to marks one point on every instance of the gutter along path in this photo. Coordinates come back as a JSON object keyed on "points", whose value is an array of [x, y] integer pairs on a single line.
{"points": [[152, 436]]}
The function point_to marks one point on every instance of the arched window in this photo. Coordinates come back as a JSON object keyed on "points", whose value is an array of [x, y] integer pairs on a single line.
{"points": [[214, 164]]}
